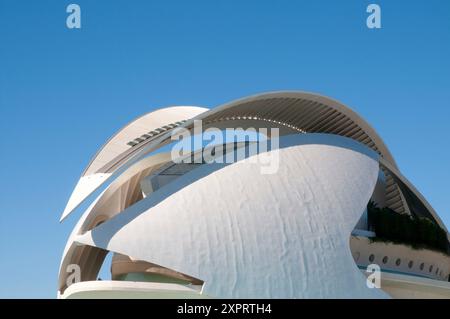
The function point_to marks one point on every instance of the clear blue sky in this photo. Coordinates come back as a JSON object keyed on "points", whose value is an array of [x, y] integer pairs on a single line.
{"points": [[64, 92]]}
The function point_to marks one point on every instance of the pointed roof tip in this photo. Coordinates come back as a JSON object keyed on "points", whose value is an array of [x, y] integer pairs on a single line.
{"points": [[68, 209], [91, 179], [84, 188], [64, 215]]}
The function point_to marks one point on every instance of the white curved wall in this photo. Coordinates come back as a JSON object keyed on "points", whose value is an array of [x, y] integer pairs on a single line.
{"points": [[239, 203], [248, 235]]}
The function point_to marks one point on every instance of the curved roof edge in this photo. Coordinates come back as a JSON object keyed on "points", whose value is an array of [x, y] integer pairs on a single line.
{"points": [[130, 154], [359, 120], [162, 116], [414, 190], [93, 177]]}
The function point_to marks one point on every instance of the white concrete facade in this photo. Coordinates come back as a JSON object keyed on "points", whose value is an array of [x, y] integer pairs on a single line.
{"points": [[228, 231]]}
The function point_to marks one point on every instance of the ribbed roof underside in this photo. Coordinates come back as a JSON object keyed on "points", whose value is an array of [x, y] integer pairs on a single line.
{"points": [[305, 115], [309, 117]]}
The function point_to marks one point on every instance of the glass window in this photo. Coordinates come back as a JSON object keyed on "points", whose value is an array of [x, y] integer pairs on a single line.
{"points": [[410, 264], [371, 257], [398, 261], [422, 265], [385, 259]]}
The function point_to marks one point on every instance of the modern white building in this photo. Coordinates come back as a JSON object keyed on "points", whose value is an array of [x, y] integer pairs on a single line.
{"points": [[332, 204]]}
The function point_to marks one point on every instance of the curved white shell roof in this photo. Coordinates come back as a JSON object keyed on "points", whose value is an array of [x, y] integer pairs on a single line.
{"points": [[104, 163], [213, 229], [291, 111], [162, 119], [200, 224]]}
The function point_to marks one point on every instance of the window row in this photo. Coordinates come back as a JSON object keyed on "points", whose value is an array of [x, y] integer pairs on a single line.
{"points": [[398, 262]]}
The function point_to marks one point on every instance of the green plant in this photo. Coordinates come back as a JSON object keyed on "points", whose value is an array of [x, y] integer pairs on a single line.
{"points": [[417, 232]]}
